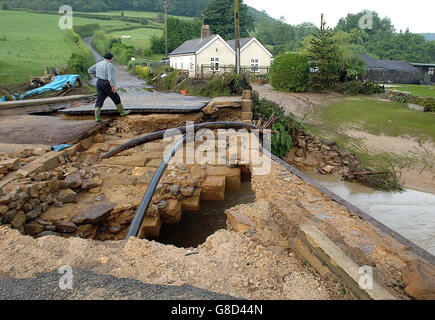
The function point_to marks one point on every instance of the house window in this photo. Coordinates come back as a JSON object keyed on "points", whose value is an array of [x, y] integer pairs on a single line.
{"points": [[254, 65], [192, 64], [431, 71], [214, 64]]}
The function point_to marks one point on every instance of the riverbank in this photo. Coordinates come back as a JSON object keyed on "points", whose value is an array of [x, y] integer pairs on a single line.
{"points": [[385, 135]]}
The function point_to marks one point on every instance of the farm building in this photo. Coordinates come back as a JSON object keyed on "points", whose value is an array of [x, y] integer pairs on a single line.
{"points": [[211, 54], [390, 71], [427, 71]]}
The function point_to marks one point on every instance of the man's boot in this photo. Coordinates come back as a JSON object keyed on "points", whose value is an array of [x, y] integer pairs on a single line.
{"points": [[98, 114], [121, 110]]}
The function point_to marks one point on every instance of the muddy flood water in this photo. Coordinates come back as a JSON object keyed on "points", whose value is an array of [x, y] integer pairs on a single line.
{"points": [[410, 213], [196, 227]]}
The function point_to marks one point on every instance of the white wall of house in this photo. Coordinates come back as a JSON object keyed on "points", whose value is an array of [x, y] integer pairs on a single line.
{"points": [[217, 51], [183, 62], [254, 54]]}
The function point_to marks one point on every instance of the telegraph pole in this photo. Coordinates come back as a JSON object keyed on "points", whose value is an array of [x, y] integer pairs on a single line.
{"points": [[237, 35], [165, 6]]}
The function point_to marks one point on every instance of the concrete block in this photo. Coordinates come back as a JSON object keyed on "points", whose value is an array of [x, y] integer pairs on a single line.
{"points": [[326, 257], [213, 188]]}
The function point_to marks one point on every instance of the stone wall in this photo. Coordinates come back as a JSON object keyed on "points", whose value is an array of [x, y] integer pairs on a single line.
{"points": [[312, 154]]}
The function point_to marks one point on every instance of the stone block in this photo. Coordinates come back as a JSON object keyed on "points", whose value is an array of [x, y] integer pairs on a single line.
{"points": [[150, 227], [247, 105], [213, 188], [247, 116], [239, 222], [191, 204], [233, 179], [172, 212], [326, 257]]}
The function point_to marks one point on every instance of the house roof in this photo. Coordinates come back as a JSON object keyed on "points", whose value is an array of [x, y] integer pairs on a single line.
{"points": [[387, 64], [192, 46], [243, 42], [195, 45]]}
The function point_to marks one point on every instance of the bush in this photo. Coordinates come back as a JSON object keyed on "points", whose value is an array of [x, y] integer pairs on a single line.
{"points": [[290, 72], [286, 124], [359, 87], [5, 6], [143, 72], [86, 30], [106, 43]]}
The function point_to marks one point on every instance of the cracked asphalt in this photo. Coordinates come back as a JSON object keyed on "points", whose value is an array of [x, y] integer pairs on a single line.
{"points": [[91, 286]]}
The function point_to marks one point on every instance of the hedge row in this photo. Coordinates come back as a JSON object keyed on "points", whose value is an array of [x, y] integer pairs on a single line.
{"points": [[359, 87], [81, 59], [427, 102], [86, 30], [290, 72], [107, 43]]}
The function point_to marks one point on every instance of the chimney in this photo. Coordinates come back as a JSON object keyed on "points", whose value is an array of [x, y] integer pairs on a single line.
{"points": [[205, 31]]}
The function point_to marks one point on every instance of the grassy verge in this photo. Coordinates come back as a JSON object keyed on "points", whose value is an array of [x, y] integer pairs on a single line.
{"points": [[417, 90], [375, 117]]}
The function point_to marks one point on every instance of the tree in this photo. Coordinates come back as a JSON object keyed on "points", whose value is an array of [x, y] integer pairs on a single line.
{"points": [[5, 6], [178, 31], [325, 57], [219, 14]]}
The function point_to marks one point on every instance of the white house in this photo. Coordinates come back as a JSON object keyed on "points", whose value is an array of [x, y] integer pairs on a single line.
{"points": [[211, 53]]}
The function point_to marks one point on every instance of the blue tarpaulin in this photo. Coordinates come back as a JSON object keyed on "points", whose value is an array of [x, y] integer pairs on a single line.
{"points": [[60, 147], [57, 84]]}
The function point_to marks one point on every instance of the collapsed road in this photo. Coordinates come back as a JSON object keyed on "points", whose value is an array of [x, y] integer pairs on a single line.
{"points": [[294, 241]]}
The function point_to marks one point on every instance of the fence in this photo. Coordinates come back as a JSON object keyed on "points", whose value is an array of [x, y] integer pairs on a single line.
{"points": [[211, 70]]}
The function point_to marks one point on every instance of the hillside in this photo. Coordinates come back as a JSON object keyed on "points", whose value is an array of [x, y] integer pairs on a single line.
{"points": [[188, 8]]}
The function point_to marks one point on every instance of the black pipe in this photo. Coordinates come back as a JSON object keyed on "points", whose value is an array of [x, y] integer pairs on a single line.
{"points": [[146, 200], [160, 134]]}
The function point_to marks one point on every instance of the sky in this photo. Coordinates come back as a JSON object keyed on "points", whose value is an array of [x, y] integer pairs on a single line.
{"points": [[418, 15]]}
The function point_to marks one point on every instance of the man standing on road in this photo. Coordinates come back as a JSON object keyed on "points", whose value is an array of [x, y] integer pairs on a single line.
{"points": [[106, 86]]}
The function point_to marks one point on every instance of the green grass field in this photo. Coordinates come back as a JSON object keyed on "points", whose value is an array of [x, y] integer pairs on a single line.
{"points": [[140, 38], [377, 117], [33, 41], [417, 90]]}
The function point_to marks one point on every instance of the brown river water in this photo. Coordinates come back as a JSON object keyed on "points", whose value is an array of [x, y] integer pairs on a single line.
{"points": [[410, 213]]}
